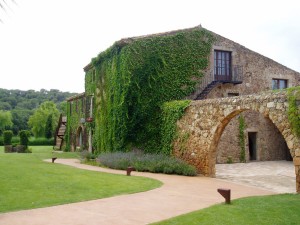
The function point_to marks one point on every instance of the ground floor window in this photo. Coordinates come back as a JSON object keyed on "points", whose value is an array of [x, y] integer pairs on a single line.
{"points": [[279, 84], [232, 94]]}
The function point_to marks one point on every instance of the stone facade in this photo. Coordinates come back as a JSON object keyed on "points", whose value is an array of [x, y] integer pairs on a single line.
{"points": [[205, 121], [258, 73], [212, 125]]}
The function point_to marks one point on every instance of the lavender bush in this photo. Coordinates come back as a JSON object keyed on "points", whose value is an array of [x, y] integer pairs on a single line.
{"points": [[154, 163]]}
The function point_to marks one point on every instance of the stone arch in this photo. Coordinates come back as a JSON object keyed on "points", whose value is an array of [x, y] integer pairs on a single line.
{"points": [[80, 136], [205, 120], [216, 138], [220, 129]]}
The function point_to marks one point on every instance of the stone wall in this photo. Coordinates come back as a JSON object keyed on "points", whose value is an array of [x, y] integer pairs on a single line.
{"points": [[258, 70], [204, 122]]}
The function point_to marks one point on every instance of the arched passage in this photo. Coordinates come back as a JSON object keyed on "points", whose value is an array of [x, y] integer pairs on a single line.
{"points": [[260, 138], [79, 137], [204, 122], [277, 151]]}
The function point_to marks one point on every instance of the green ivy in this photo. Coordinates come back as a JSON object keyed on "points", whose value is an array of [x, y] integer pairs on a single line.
{"points": [[294, 109], [132, 79], [76, 109], [242, 138], [172, 111]]}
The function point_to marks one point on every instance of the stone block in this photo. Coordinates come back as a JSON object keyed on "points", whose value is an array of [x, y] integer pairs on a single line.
{"points": [[297, 169], [296, 161], [270, 105], [297, 152]]}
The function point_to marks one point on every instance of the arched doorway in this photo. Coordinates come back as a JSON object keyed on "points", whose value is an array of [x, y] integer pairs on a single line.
{"points": [[268, 160], [254, 134], [79, 137]]}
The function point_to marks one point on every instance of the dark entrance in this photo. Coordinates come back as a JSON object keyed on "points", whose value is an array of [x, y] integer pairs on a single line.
{"points": [[252, 145]]}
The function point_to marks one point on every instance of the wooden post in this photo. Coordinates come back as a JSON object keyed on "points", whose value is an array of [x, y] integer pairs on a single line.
{"points": [[226, 194]]}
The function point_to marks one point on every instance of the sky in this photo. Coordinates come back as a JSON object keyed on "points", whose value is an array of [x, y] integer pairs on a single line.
{"points": [[46, 43]]}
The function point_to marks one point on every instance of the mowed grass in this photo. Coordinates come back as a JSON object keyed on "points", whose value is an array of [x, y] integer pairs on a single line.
{"points": [[266, 210], [27, 182]]}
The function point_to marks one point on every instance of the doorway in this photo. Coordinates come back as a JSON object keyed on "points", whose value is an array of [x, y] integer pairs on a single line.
{"points": [[252, 136]]}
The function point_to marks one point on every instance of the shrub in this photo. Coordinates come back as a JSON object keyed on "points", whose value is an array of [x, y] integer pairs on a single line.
{"points": [[24, 138], [7, 136], [154, 163], [15, 140], [87, 156], [40, 142], [49, 127]]}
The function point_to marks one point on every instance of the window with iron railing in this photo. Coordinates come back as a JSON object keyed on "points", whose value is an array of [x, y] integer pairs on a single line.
{"points": [[222, 65]]}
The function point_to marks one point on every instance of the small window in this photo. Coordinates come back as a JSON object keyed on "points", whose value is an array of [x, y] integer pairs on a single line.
{"points": [[70, 107], [279, 84], [82, 104], [233, 94]]}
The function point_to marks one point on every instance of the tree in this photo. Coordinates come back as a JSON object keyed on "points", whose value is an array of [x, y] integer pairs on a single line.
{"points": [[5, 106], [20, 118], [7, 136], [62, 107], [39, 118], [5, 120], [49, 127], [24, 138]]}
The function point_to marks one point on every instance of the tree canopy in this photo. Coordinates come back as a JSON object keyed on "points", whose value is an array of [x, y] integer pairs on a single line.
{"points": [[38, 120], [22, 104], [5, 120]]}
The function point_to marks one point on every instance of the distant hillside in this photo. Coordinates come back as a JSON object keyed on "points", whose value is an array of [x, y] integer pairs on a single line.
{"points": [[23, 103], [17, 99]]}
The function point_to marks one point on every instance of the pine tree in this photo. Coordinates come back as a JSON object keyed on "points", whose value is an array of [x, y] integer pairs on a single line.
{"points": [[49, 127]]}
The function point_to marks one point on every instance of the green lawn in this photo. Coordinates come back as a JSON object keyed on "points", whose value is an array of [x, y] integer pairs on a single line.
{"points": [[271, 210], [28, 182]]}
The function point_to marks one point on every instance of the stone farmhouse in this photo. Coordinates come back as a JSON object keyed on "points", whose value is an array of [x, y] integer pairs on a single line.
{"points": [[231, 74]]}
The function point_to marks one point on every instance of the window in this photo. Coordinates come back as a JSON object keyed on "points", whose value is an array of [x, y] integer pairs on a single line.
{"points": [[279, 84], [70, 108], [82, 104], [222, 65], [233, 94]]}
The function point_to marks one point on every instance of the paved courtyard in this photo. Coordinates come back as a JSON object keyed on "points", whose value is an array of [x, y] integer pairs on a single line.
{"points": [[276, 176]]}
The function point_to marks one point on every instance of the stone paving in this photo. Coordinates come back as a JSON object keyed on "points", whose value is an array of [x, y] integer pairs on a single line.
{"points": [[277, 176]]}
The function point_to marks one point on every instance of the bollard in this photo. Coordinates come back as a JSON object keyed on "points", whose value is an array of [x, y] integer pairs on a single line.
{"points": [[226, 194], [129, 169], [53, 159]]}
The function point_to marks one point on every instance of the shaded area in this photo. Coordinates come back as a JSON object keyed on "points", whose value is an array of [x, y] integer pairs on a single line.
{"points": [[277, 176]]}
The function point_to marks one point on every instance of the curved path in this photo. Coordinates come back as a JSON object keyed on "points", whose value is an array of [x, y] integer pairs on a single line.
{"points": [[178, 195]]}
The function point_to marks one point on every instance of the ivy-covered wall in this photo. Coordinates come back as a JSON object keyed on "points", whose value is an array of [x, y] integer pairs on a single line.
{"points": [[76, 110], [294, 109], [171, 113], [132, 79]]}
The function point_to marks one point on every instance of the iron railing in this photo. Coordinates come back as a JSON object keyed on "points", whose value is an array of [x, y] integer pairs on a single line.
{"points": [[235, 78]]}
